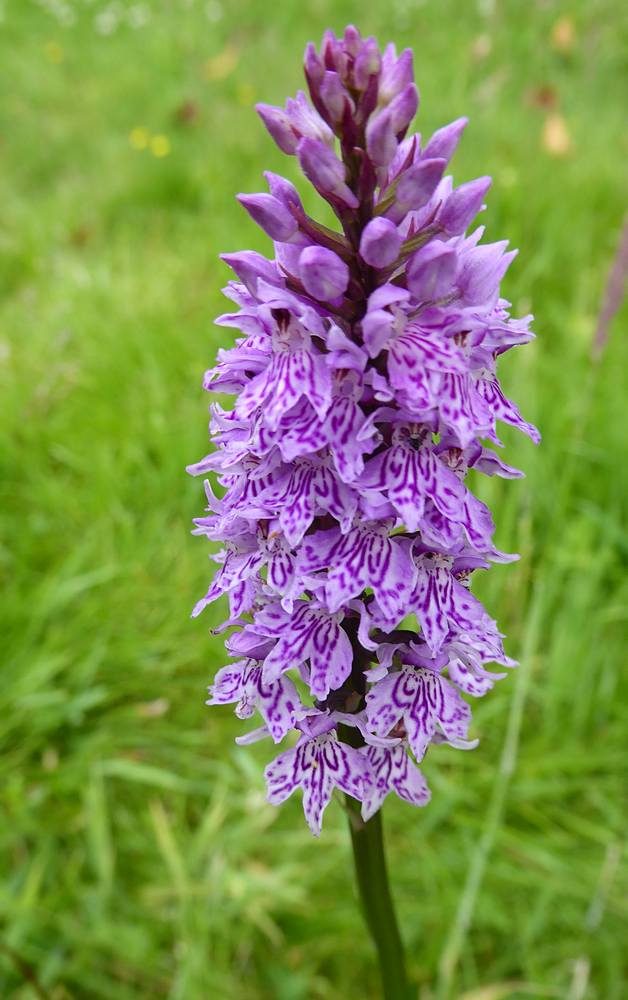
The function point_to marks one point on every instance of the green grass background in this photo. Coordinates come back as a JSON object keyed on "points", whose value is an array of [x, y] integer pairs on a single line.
{"points": [[138, 858]]}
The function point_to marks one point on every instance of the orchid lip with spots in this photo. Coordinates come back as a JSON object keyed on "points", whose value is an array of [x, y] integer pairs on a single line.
{"points": [[366, 390]]}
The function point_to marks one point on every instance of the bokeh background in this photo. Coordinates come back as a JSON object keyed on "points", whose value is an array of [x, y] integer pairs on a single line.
{"points": [[138, 856]]}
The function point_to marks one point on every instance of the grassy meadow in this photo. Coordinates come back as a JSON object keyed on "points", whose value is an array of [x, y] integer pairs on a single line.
{"points": [[138, 858]]}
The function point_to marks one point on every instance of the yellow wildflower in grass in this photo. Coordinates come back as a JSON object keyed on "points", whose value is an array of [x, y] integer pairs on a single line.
{"points": [[139, 137], [160, 145], [564, 35], [556, 137], [223, 64], [54, 52]]}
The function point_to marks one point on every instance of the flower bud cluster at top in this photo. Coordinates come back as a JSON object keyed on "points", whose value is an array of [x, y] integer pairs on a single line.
{"points": [[366, 388]]}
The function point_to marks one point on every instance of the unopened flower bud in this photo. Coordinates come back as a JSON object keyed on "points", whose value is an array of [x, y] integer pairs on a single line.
{"points": [[282, 189], [431, 271], [462, 206], [397, 73], [306, 121], [403, 108], [380, 243], [367, 63], [326, 172], [444, 141], [323, 273], [313, 64], [297, 120], [334, 96], [415, 187], [381, 141], [351, 40], [250, 266], [278, 124], [269, 213]]}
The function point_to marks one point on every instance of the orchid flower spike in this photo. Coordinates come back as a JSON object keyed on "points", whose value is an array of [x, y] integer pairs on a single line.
{"points": [[365, 385]]}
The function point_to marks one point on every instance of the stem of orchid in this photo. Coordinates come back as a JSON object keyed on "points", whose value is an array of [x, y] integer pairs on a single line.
{"points": [[372, 878], [369, 858]]}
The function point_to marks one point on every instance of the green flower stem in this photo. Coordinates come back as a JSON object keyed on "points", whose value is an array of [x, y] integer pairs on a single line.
{"points": [[377, 905]]}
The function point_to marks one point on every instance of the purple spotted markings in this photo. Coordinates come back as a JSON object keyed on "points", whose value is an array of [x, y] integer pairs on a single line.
{"points": [[366, 391]]}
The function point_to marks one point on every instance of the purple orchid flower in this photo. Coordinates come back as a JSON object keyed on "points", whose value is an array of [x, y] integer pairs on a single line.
{"points": [[365, 381], [392, 770], [318, 764], [309, 635], [243, 682], [424, 700]]}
